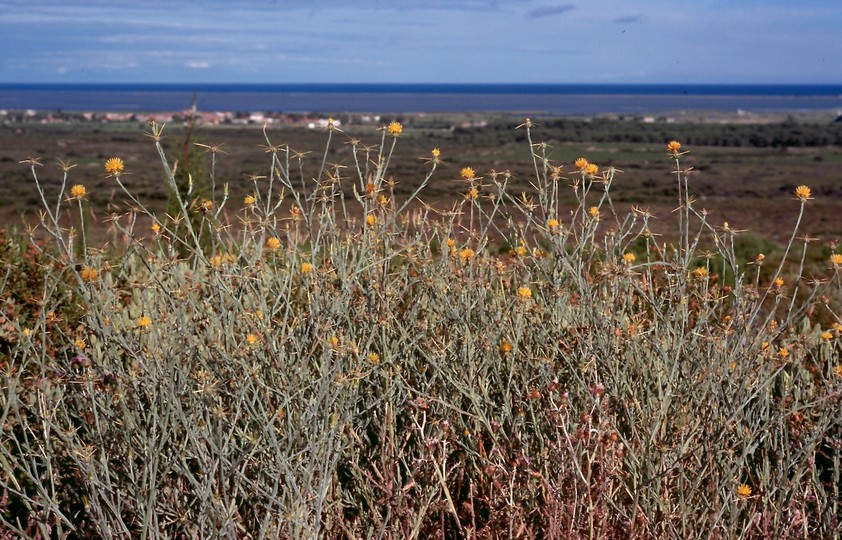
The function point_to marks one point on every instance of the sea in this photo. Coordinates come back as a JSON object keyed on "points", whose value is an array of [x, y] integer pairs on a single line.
{"points": [[548, 99]]}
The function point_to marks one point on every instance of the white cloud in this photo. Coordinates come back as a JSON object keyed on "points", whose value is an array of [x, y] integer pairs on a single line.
{"points": [[198, 64]]}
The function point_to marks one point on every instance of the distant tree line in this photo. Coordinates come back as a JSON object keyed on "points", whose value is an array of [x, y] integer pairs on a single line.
{"points": [[778, 135]]}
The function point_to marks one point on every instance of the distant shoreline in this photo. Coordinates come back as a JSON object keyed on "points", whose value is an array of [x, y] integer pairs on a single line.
{"points": [[548, 100]]}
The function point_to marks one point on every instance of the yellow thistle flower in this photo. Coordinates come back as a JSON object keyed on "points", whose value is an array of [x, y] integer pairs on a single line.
{"points": [[803, 193], [701, 272], [382, 200], [673, 147], [593, 211], [334, 342], [306, 268], [450, 242], [206, 205], [156, 228], [395, 129], [827, 336], [436, 152], [370, 220], [373, 357], [505, 346], [80, 344], [524, 292], [581, 163], [249, 200], [836, 259], [273, 244], [252, 339], [629, 258], [466, 254], [88, 274], [144, 321], [552, 223], [216, 261], [78, 191], [779, 282], [114, 166], [472, 194], [591, 169], [783, 353], [467, 173], [521, 251], [743, 491]]}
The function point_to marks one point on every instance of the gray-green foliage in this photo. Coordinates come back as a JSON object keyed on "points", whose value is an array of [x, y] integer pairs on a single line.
{"points": [[319, 370]]}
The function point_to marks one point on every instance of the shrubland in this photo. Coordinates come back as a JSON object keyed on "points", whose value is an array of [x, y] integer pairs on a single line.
{"points": [[312, 363]]}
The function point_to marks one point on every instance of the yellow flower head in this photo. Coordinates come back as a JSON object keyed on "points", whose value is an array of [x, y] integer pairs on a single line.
{"points": [[395, 129], [779, 282], [505, 346], [521, 251], [88, 274], [370, 220], [673, 147], [552, 223], [783, 352], [827, 336], [206, 205], [591, 169], [472, 194], [114, 166], [743, 491], [629, 258], [803, 193], [593, 211], [306, 268], [701, 272], [373, 357], [450, 242], [144, 321], [252, 339], [436, 152], [466, 254], [581, 163], [273, 244], [156, 228], [78, 191], [836, 259], [382, 200], [249, 200], [467, 173], [80, 344], [524, 292]]}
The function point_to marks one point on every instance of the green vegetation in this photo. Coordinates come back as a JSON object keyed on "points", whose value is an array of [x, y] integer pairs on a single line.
{"points": [[340, 361]]}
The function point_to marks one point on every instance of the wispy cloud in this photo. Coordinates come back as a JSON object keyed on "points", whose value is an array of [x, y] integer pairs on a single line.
{"points": [[198, 64], [629, 19], [546, 11]]}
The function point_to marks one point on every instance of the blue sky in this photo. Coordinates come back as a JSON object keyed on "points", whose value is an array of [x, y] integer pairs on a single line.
{"points": [[404, 41]]}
